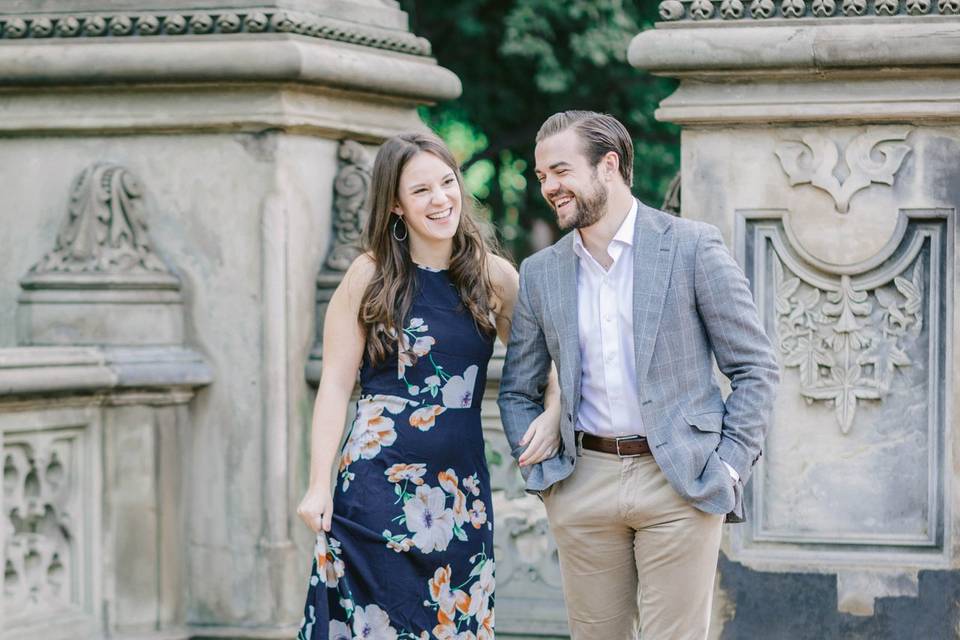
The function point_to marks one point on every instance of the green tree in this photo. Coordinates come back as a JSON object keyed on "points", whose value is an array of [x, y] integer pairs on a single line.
{"points": [[522, 60]]}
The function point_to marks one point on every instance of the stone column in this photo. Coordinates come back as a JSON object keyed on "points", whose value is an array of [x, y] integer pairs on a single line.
{"points": [[232, 114], [821, 136]]}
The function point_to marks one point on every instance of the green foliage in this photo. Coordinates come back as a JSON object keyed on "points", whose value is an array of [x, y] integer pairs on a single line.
{"points": [[522, 60]]}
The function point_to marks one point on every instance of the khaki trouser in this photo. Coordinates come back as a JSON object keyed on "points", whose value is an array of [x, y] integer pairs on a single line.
{"points": [[633, 554]]}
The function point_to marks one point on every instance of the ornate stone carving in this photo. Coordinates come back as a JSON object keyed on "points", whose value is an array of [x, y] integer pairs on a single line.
{"points": [[675, 10], [731, 9], [205, 23], [793, 8], [350, 188], [671, 10], [887, 7], [854, 7], [814, 158], [41, 500], [949, 7], [824, 8], [701, 9], [846, 340], [105, 231], [762, 9]]}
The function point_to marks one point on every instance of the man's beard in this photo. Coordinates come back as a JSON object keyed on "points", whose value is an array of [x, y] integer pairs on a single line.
{"points": [[589, 208]]}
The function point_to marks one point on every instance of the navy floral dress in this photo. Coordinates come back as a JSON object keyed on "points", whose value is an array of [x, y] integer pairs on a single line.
{"points": [[410, 552]]}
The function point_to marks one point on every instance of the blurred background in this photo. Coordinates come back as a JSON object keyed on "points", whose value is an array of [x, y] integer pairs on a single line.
{"points": [[522, 60]]}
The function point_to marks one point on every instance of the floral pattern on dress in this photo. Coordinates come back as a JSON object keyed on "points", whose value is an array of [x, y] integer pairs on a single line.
{"points": [[455, 606], [371, 431], [411, 452], [431, 524], [329, 565]]}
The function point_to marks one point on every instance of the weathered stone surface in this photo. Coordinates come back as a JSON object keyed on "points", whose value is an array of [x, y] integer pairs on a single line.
{"points": [[231, 119], [821, 150]]}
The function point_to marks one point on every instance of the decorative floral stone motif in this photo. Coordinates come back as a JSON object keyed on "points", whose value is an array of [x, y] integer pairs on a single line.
{"points": [[814, 157], [105, 230], [847, 342], [41, 500]]}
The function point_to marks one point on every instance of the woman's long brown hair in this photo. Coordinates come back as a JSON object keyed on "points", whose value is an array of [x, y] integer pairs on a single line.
{"points": [[389, 296]]}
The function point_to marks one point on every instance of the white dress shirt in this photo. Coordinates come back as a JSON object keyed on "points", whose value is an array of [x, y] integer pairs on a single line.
{"points": [[609, 397]]}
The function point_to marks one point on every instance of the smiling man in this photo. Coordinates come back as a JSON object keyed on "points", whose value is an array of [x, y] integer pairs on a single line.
{"points": [[633, 306]]}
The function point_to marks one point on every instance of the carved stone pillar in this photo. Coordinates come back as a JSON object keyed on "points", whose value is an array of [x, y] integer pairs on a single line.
{"points": [[91, 424], [232, 113], [821, 137]]}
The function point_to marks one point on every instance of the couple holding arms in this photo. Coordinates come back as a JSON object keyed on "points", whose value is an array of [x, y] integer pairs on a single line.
{"points": [[608, 400]]}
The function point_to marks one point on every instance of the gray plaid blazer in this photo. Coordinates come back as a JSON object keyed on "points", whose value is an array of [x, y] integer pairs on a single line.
{"points": [[691, 301]]}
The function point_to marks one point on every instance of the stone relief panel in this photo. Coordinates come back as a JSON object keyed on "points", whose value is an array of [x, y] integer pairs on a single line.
{"points": [[849, 180], [874, 156], [855, 461], [844, 353], [350, 198], [350, 188], [105, 229], [45, 570]]}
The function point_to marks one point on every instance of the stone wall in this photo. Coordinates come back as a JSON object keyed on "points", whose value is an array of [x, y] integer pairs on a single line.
{"points": [[171, 168], [820, 136]]}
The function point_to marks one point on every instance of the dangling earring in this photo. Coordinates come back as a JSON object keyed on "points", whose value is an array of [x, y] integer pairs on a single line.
{"points": [[396, 222]]}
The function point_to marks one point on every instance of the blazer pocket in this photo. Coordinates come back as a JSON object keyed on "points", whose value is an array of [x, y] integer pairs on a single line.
{"points": [[711, 421]]}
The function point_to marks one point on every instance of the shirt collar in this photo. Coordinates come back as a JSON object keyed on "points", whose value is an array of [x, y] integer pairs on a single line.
{"points": [[624, 235]]}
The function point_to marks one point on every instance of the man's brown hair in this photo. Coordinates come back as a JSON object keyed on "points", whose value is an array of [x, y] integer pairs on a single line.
{"points": [[599, 133]]}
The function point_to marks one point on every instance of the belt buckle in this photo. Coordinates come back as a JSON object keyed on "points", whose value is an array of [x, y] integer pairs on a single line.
{"points": [[620, 439]]}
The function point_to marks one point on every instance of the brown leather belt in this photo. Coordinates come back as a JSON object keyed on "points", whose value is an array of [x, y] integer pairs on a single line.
{"points": [[623, 446]]}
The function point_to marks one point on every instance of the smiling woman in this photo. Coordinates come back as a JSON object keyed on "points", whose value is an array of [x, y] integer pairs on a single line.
{"points": [[405, 539]]}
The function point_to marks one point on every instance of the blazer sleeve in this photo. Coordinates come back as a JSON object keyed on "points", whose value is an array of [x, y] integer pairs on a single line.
{"points": [[742, 349], [525, 369]]}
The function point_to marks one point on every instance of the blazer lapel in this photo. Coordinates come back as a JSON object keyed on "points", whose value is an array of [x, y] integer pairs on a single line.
{"points": [[564, 309], [654, 246]]}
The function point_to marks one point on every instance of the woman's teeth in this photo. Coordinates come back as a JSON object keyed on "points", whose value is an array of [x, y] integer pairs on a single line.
{"points": [[441, 215]]}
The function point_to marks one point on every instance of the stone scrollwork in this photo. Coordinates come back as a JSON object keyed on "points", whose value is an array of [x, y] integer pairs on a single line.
{"points": [[847, 341], [40, 502], [259, 20], [814, 158], [105, 231], [350, 196]]}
